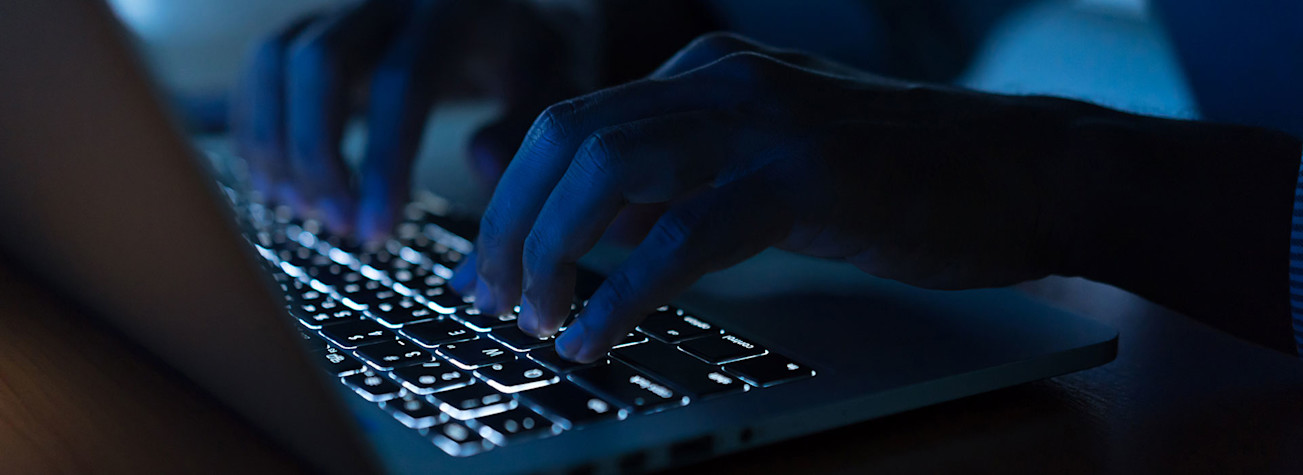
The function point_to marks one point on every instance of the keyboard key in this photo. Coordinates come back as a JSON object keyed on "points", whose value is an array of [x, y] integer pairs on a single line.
{"points": [[359, 293], [722, 349], [414, 412], [357, 333], [334, 275], [469, 402], [383, 260], [368, 298], [333, 316], [299, 256], [432, 377], [392, 354], [311, 340], [571, 406], [631, 339], [329, 304], [518, 340], [443, 299], [670, 327], [337, 362], [768, 370], [457, 440], [399, 311], [372, 386], [516, 375], [547, 356], [472, 354], [628, 387], [305, 298], [438, 332], [481, 322], [415, 279], [688, 374], [514, 426]]}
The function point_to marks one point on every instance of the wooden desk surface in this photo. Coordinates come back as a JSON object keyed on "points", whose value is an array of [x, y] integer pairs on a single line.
{"points": [[1180, 397]]}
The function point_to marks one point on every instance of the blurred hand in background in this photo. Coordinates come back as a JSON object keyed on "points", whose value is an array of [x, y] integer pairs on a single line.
{"points": [[389, 62]]}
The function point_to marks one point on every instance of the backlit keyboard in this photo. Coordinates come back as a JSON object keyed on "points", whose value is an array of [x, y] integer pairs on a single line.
{"points": [[385, 322]]}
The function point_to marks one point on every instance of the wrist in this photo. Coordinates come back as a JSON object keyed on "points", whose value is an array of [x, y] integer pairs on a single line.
{"points": [[1194, 216]]}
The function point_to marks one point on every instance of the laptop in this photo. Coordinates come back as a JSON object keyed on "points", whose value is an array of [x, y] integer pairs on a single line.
{"points": [[362, 360]]}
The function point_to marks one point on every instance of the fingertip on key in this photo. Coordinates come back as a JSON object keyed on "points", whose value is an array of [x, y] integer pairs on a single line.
{"points": [[528, 319], [571, 341], [484, 300]]}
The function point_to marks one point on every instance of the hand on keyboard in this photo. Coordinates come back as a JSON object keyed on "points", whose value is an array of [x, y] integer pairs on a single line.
{"points": [[755, 148], [290, 108]]}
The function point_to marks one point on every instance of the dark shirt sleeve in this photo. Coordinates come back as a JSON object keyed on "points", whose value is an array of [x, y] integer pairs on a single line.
{"points": [[1296, 264]]}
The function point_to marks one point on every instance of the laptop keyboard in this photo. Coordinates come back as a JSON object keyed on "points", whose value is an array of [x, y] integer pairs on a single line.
{"points": [[385, 322]]}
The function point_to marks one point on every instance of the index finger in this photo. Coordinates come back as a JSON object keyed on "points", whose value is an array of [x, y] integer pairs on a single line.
{"points": [[403, 88], [323, 64]]}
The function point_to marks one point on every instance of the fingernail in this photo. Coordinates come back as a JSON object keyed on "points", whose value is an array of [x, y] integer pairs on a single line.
{"points": [[528, 320], [571, 342]]}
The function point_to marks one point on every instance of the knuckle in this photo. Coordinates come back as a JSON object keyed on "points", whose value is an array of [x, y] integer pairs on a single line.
{"points": [[491, 230], [673, 231], [553, 123], [718, 44], [599, 155], [537, 253], [749, 63], [620, 290]]}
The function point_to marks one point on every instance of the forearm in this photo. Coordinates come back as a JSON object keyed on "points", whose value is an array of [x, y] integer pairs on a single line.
{"points": [[1194, 216]]}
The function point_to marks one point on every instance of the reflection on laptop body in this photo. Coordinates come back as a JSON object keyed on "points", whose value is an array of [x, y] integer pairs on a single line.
{"points": [[394, 372]]}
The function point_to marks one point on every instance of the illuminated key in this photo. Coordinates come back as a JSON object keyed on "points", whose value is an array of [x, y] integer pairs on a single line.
{"points": [[472, 354], [372, 386], [570, 405], [516, 375], [768, 370], [514, 426], [628, 387], [432, 377], [457, 440], [357, 333], [414, 412], [671, 327], [722, 349], [469, 402], [438, 332], [392, 354]]}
